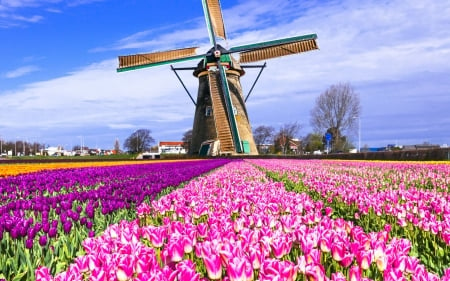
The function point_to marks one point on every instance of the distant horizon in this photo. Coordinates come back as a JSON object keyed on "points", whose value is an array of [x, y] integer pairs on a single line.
{"points": [[58, 79]]}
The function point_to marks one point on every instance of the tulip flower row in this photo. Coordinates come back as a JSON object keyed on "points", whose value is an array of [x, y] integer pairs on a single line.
{"points": [[7, 170], [236, 224], [413, 197], [40, 210]]}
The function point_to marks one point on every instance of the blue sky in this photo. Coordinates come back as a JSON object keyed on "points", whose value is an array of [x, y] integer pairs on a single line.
{"points": [[58, 80]]}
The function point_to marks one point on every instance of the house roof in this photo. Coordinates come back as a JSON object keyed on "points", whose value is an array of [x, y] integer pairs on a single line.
{"points": [[171, 143]]}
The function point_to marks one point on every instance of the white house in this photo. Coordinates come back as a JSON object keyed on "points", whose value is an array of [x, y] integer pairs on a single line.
{"points": [[171, 147]]}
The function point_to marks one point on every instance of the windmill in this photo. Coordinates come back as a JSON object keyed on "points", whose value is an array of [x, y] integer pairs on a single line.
{"points": [[221, 120]]}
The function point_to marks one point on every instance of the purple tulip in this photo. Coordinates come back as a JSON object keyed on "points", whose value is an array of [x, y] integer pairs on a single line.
{"points": [[29, 243], [67, 226], [52, 232], [43, 240]]}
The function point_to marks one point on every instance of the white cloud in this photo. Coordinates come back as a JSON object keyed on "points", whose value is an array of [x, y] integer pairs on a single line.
{"points": [[21, 71]]}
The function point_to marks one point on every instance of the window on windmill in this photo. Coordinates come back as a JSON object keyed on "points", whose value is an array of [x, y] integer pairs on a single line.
{"points": [[235, 112], [208, 111]]}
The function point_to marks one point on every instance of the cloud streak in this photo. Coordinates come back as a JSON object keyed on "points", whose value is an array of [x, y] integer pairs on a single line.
{"points": [[21, 71]]}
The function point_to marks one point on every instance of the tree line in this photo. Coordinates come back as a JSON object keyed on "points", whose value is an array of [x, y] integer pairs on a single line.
{"points": [[334, 119]]}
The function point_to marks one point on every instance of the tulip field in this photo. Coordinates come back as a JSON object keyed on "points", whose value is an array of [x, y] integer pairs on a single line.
{"points": [[222, 219]]}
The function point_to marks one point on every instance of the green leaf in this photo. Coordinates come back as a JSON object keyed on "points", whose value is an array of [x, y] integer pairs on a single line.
{"points": [[21, 275], [60, 267]]}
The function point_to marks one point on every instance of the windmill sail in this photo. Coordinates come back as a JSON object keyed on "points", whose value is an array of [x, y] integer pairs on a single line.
{"points": [[137, 61], [276, 48], [214, 19]]}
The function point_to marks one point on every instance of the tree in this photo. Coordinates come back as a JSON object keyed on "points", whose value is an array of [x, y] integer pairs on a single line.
{"points": [[261, 135], [285, 139], [187, 139], [116, 146], [336, 109], [313, 142], [139, 141]]}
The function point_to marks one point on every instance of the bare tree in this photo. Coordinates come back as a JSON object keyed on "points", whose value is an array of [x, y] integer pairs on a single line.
{"points": [[139, 141], [187, 140], [338, 109], [116, 146], [261, 135], [286, 136]]}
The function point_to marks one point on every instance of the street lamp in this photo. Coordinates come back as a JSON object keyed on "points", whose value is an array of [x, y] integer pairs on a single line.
{"points": [[359, 132]]}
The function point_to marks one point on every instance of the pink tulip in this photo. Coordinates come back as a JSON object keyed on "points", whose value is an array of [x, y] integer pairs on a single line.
{"points": [[338, 251], [315, 272], [400, 263], [125, 267], [393, 274], [156, 235], [338, 276], [313, 256], [175, 250], [186, 271], [411, 264], [354, 273], [43, 273], [280, 247], [188, 243], [98, 274], [446, 276], [328, 211], [273, 269], [347, 260], [256, 257], [301, 264], [236, 269], [202, 230], [83, 263], [213, 266], [364, 259], [325, 244], [382, 262]]}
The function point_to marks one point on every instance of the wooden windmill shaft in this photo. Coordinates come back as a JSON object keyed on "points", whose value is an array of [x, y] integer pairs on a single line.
{"points": [[211, 120]]}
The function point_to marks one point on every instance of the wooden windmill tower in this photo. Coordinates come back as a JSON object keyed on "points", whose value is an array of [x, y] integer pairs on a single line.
{"points": [[220, 114]]}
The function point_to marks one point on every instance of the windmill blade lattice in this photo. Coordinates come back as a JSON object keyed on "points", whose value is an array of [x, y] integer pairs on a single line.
{"points": [[132, 62], [276, 48], [214, 20], [278, 51]]}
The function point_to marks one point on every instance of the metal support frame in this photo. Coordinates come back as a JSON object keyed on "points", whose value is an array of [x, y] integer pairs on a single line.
{"points": [[257, 77], [181, 81]]}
